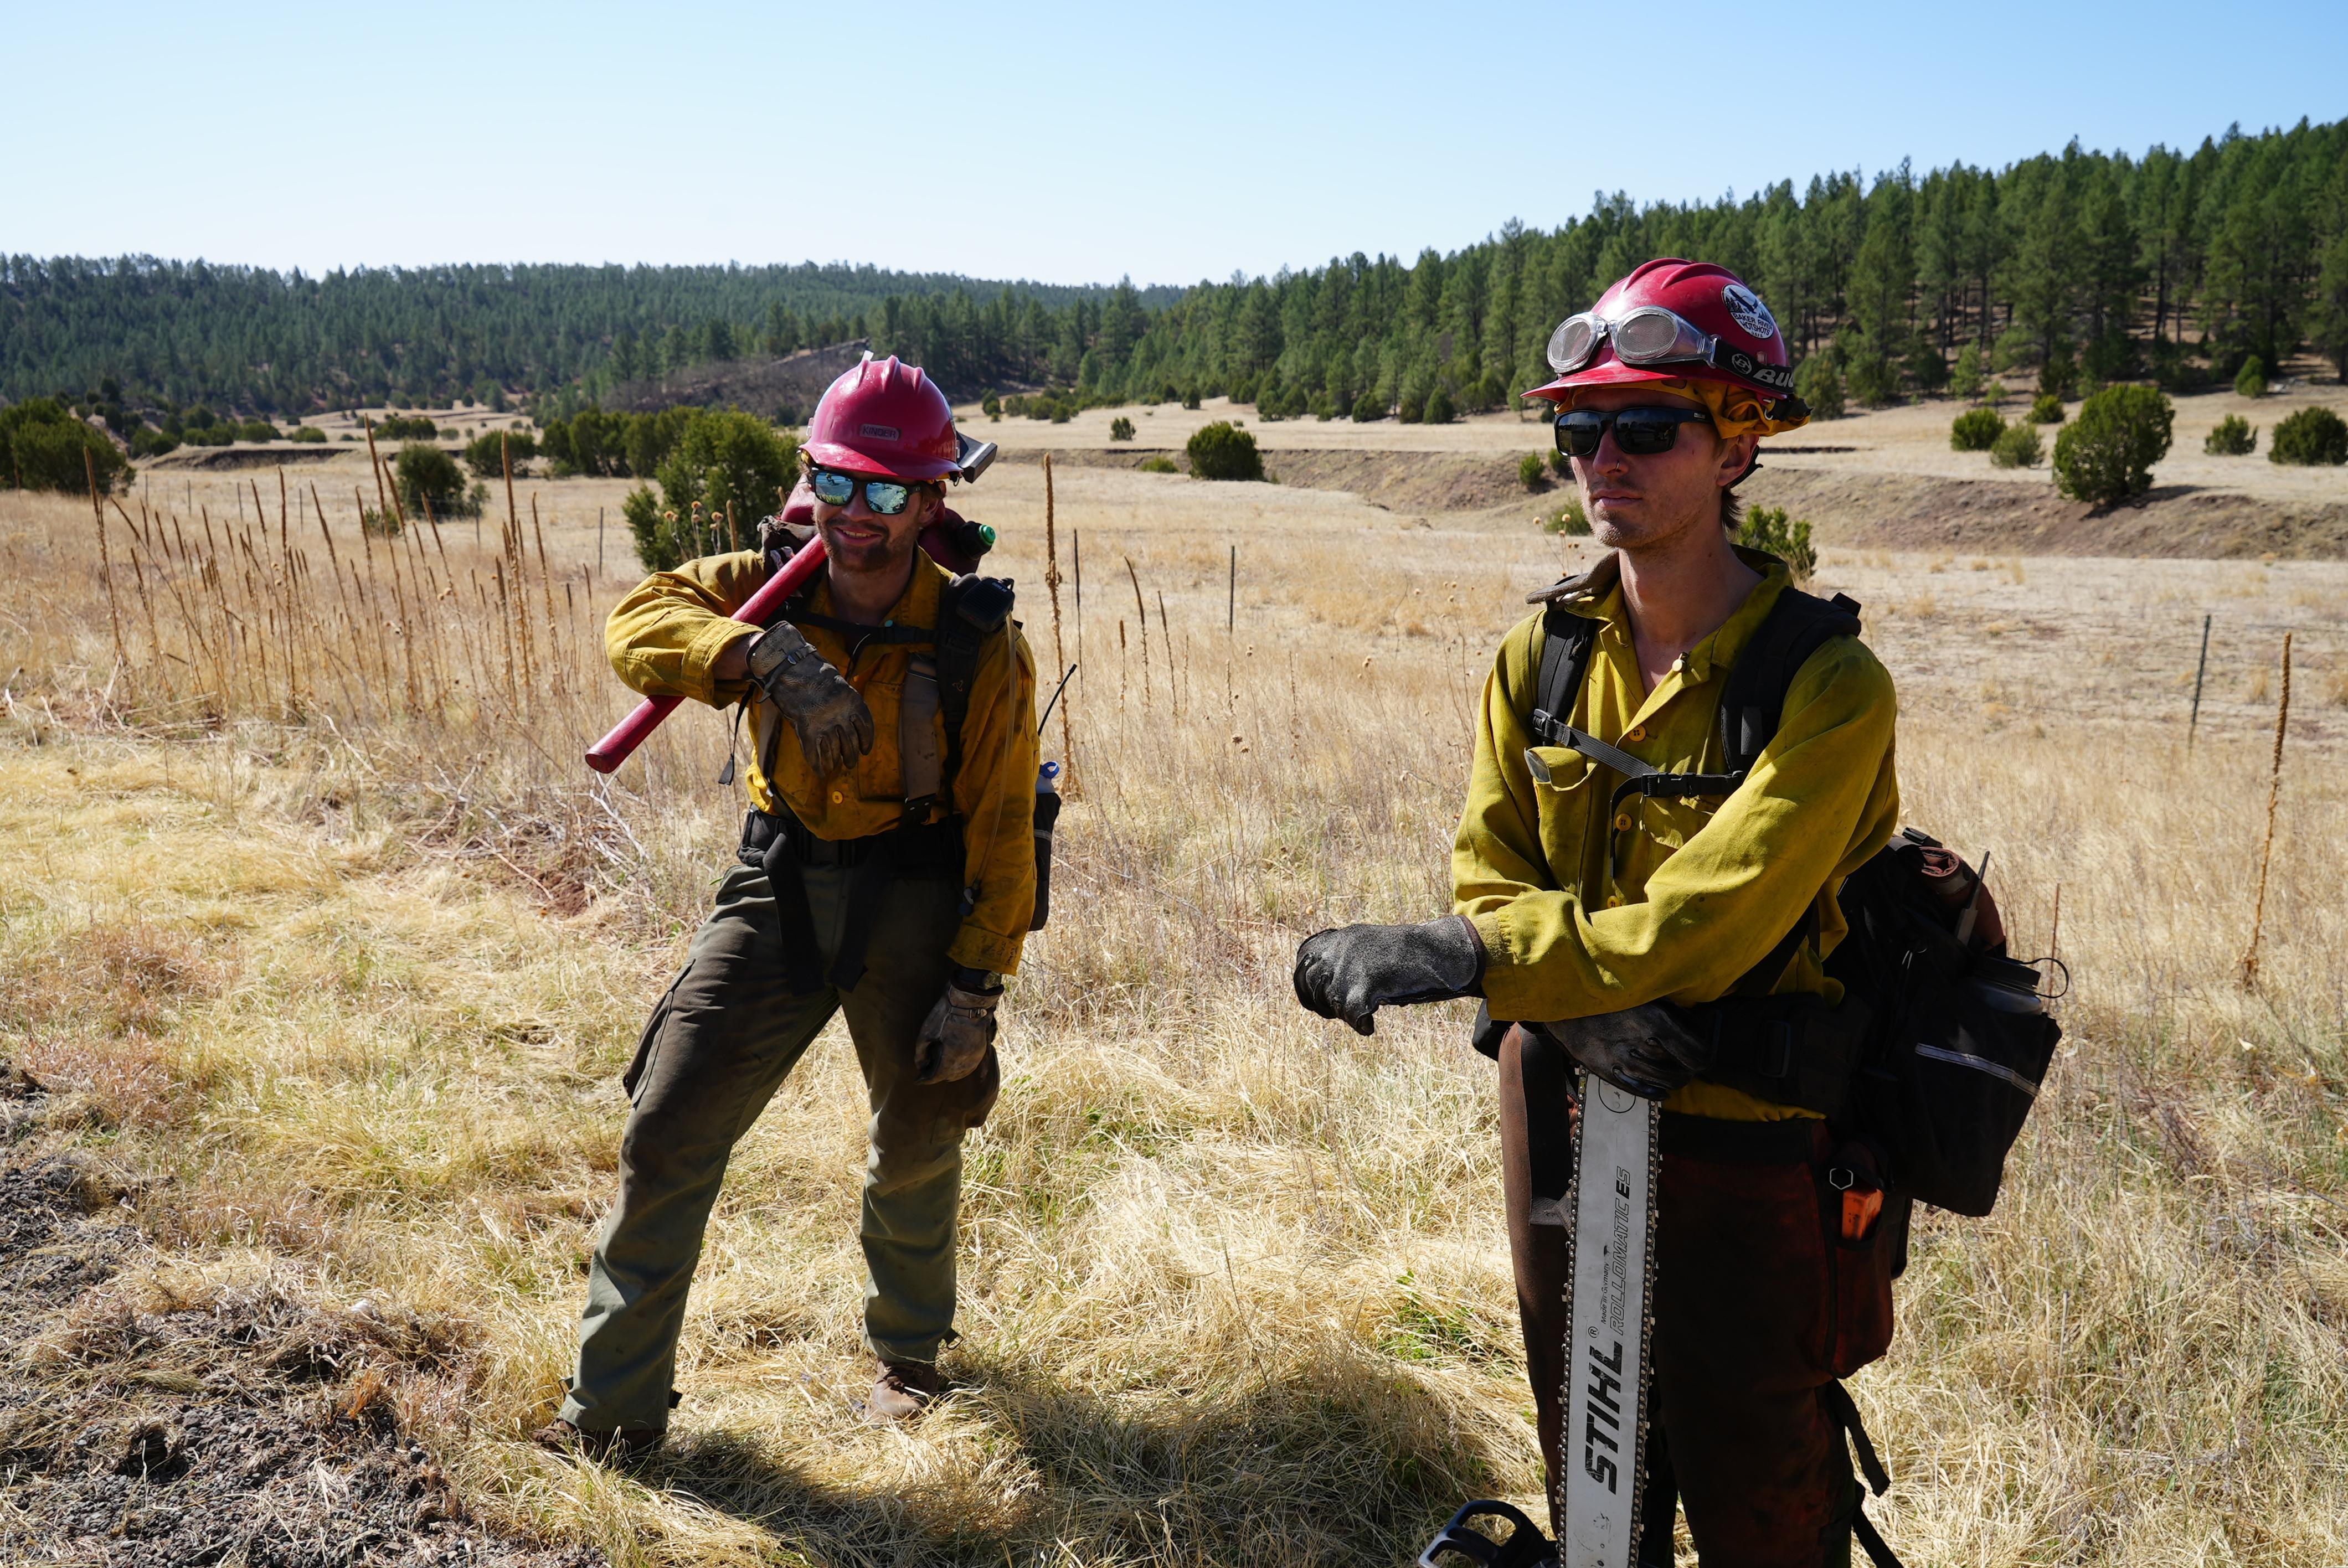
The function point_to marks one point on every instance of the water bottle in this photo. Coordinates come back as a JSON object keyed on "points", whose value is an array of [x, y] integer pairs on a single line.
{"points": [[1047, 812]]}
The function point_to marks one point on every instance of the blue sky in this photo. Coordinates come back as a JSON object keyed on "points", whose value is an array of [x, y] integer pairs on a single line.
{"points": [[1056, 142]]}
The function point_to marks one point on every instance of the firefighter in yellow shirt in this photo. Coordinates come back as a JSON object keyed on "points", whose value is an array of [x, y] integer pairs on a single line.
{"points": [[1615, 877], [887, 870]]}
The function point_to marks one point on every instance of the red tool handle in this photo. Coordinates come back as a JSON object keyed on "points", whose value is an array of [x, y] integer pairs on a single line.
{"points": [[628, 733]]}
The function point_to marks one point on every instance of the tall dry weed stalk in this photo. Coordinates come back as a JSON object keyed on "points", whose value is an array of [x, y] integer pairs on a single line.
{"points": [[2250, 965], [348, 985]]}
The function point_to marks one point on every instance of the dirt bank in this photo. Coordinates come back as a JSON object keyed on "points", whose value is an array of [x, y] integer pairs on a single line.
{"points": [[1898, 511], [1891, 511]]}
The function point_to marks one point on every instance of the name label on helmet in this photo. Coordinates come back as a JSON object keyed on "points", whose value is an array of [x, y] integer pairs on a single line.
{"points": [[1742, 364], [880, 431]]}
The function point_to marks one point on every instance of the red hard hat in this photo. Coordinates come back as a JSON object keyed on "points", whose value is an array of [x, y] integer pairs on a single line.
{"points": [[887, 418], [1745, 346]]}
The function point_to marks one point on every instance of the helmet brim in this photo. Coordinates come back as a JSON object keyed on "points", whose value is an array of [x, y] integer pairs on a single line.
{"points": [[1614, 373], [847, 459]]}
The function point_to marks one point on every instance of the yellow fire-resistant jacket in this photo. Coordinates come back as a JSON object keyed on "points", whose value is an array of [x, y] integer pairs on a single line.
{"points": [[663, 636], [1585, 910]]}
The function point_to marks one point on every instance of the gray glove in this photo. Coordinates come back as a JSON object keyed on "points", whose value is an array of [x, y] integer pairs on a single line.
{"points": [[1648, 1050], [954, 1037], [1352, 971], [834, 726]]}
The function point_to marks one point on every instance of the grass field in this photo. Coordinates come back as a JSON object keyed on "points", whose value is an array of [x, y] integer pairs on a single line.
{"points": [[328, 986]]}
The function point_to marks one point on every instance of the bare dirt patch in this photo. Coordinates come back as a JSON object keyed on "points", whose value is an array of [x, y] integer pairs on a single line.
{"points": [[218, 460], [140, 1426]]}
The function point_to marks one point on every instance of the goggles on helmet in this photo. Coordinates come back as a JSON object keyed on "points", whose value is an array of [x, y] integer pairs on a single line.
{"points": [[884, 497], [1653, 335], [1639, 432]]}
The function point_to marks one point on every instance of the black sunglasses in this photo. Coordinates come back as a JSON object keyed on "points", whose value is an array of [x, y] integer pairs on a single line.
{"points": [[1640, 432], [883, 498]]}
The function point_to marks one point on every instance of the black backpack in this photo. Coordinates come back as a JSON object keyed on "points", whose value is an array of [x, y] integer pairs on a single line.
{"points": [[1936, 1052]]}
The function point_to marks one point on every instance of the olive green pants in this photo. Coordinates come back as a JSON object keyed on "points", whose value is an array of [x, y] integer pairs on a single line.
{"points": [[717, 1047]]}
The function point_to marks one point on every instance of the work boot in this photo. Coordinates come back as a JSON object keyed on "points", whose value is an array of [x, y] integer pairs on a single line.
{"points": [[902, 1390], [623, 1445]]}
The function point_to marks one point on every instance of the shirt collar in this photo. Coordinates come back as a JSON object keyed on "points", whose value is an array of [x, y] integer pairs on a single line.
{"points": [[1597, 595]]}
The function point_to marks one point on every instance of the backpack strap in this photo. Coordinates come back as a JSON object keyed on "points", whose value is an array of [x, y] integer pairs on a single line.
{"points": [[1754, 702], [971, 610], [1565, 641]]}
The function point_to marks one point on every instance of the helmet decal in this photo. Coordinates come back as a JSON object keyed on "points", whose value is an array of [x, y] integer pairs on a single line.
{"points": [[880, 431], [1745, 308]]}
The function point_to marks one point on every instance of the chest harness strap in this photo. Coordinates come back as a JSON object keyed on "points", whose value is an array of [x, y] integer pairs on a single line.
{"points": [[970, 609], [1787, 1048]]}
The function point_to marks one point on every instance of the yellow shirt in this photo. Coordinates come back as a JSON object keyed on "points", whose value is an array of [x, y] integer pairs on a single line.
{"points": [[664, 638], [1586, 909]]}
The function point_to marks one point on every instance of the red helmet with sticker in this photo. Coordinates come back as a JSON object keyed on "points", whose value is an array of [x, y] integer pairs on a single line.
{"points": [[1673, 320], [887, 418]]}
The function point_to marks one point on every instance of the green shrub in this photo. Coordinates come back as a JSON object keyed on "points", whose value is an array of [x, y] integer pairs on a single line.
{"points": [[485, 453], [661, 542], [1368, 407], [1531, 472], [1191, 398], [405, 428], [1975, 430], [2046, 409], [1994, 394], [427, 474], [2018, 446], [309, 435], [42, 448], [1411, 409], [1439, 410], [1567, 517], [2106, 455], [2311, 436], [2250, 381], [1161, 465], [1768, 528], [1818, 383], [990, 405], [257, 430], [2232, 437], [1559, 464], [146, 443], [1224, 451], [1120, 428], [1965, 381]]}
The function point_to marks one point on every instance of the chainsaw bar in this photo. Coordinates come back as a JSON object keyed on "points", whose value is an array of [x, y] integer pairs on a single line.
{"points": [[1611, 1208]]}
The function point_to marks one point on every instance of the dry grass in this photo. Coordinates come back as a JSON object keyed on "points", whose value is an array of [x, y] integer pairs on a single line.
{"points": [[337, 986]]}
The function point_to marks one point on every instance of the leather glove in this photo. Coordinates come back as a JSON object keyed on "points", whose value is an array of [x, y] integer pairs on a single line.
{"points": [[834, 726], [954, 1037], [1648, 1050], [1352, 971]]}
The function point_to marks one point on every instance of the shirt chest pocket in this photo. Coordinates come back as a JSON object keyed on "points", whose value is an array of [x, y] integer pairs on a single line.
{"points": [[1570, 795], [907, 757]]}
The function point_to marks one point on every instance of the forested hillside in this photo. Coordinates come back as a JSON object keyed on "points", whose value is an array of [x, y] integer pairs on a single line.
{"points": [[269, 343], [2077, 267], [2080, 266]]}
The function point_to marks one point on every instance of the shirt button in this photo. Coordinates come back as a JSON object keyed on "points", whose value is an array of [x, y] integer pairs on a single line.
{"points": [[835, 798], [1638, 734], [1613, 900], [1622, 822]]}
